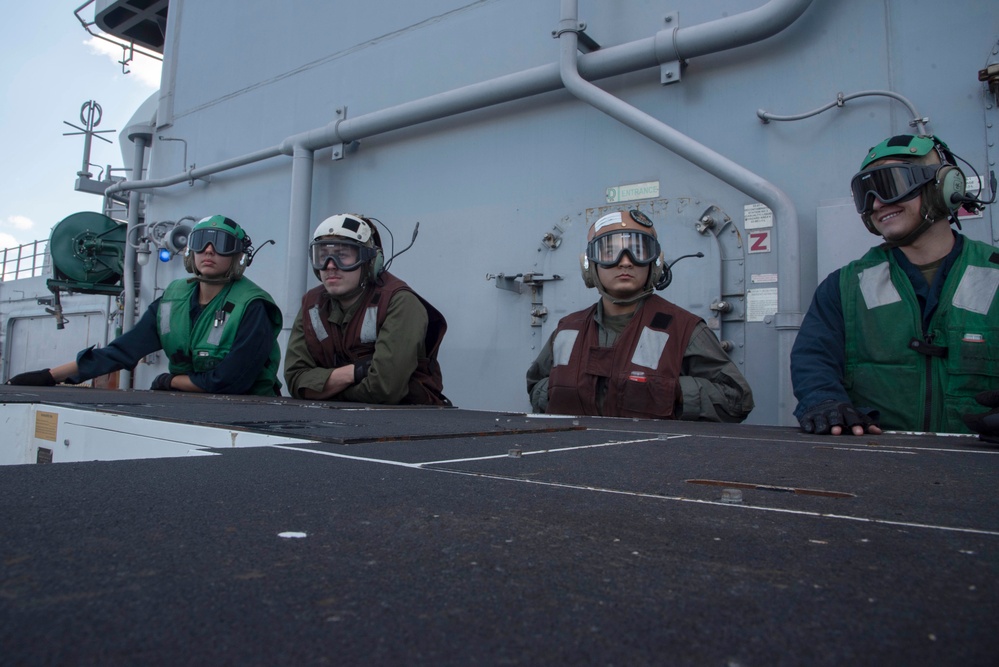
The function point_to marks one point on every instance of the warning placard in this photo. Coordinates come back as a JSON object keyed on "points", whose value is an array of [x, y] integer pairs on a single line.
{"points": [[760, 303], [46, 425], [757, 216]]}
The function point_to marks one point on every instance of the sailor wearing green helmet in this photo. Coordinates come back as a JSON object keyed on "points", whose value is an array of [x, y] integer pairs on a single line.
{"points": [[218, 329], [907, 336]]}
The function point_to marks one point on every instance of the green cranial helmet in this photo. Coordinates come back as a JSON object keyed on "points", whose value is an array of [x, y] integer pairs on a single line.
{"points": [[909, 146], [908, 173], [226, 237], [222, 223]]}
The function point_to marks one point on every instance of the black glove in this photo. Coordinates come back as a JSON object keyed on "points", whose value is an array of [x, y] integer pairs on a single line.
{"points": [[42, 378], [162, 382], [361, 369], [985, 424], [821, 418]]}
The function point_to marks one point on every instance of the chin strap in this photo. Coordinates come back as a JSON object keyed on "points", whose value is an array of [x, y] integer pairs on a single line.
{"points": [[911, 236], [354, 293], [623, 302], [926, 223]]}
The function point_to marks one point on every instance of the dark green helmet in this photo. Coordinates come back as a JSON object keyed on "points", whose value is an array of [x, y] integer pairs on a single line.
{"points": [[905, 146], [226, 237]]}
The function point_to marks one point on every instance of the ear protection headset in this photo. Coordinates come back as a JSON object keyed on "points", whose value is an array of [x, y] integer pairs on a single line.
{"points": [[377, 266], [943, 195]]}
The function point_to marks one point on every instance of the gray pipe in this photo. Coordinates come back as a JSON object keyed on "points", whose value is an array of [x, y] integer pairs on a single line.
{"points": [[918, 122], [785, 216], [299, 219], [193, 173], [140, 137]]}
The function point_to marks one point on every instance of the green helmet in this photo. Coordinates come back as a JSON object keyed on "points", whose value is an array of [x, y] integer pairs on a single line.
{"points": [[227, 239], [906, 146]]}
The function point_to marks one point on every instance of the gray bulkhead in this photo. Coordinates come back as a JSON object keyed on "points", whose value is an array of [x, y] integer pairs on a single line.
{"points": [[504, 192]]}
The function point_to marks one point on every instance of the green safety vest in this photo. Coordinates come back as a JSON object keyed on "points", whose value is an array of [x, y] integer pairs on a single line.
{"points": [[921, 383], [213, 335]]}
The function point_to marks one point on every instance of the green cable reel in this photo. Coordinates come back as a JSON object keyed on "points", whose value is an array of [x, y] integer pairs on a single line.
{"points": [[88, 256]]}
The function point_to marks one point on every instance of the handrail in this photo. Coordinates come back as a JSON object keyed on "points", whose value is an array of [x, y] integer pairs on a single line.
{"points": [[21, 263]]}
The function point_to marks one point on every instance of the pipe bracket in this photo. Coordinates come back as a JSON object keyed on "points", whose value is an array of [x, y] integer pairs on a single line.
{"points": [[339, 150], [670, 72]]}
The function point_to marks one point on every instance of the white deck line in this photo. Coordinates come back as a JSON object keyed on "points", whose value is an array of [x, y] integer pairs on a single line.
{"points": [[636, 494]]}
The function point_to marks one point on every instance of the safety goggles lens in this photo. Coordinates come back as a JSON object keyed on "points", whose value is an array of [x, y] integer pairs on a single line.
{"points": [[607, 250], [222, 241], [345, 255], [890, 183]]}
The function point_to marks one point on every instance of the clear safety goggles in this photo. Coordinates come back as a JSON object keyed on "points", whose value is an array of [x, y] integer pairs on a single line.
{"points": [[607, 250], [890, 183], [345, 255], [223, 242]]}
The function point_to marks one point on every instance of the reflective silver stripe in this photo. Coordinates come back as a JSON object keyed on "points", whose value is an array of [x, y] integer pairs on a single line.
{"points": [[216, 333], [977, 289], [650, 348], [877, 288], [369, 327], [317, 324], [562, 347], [165, 307]]}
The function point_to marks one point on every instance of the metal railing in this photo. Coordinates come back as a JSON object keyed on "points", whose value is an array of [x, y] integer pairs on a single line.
{"points": [[23, 261]]}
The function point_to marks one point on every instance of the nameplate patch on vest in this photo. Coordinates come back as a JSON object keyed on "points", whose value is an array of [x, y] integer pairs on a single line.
{"points": [[165, 309], [661, 321], [369, 327], [317, 324], [215, 335], [877, 288], [650, 348], [562, 347], [977, 289]]}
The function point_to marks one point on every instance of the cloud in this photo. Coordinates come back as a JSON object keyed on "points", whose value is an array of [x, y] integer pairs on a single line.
{"points": [[15, 230], [8, 241], [146, 70], [19, 222]]}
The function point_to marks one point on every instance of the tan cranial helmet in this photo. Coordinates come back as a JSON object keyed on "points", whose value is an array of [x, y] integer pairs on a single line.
{"points": [[617, 233]]}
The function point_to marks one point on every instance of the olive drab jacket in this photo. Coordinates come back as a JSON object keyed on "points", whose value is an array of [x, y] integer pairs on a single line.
{"points": [[331, 348]]}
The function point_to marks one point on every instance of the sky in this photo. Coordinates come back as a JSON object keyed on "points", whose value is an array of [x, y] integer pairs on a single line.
{"points": [[49, 67]]}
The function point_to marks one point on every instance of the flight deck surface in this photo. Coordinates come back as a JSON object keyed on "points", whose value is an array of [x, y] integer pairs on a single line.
{"points": [[443, 536]]}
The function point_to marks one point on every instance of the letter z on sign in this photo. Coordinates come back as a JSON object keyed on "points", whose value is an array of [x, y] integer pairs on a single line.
{"points": [[759, 241]]}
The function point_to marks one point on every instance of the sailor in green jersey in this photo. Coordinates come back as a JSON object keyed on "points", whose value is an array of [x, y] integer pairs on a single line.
{"points": [[218, 329], [907, 336]]}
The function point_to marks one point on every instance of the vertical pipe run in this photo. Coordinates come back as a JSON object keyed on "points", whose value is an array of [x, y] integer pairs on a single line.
{"points": [[140, 139], [299, 218]]}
